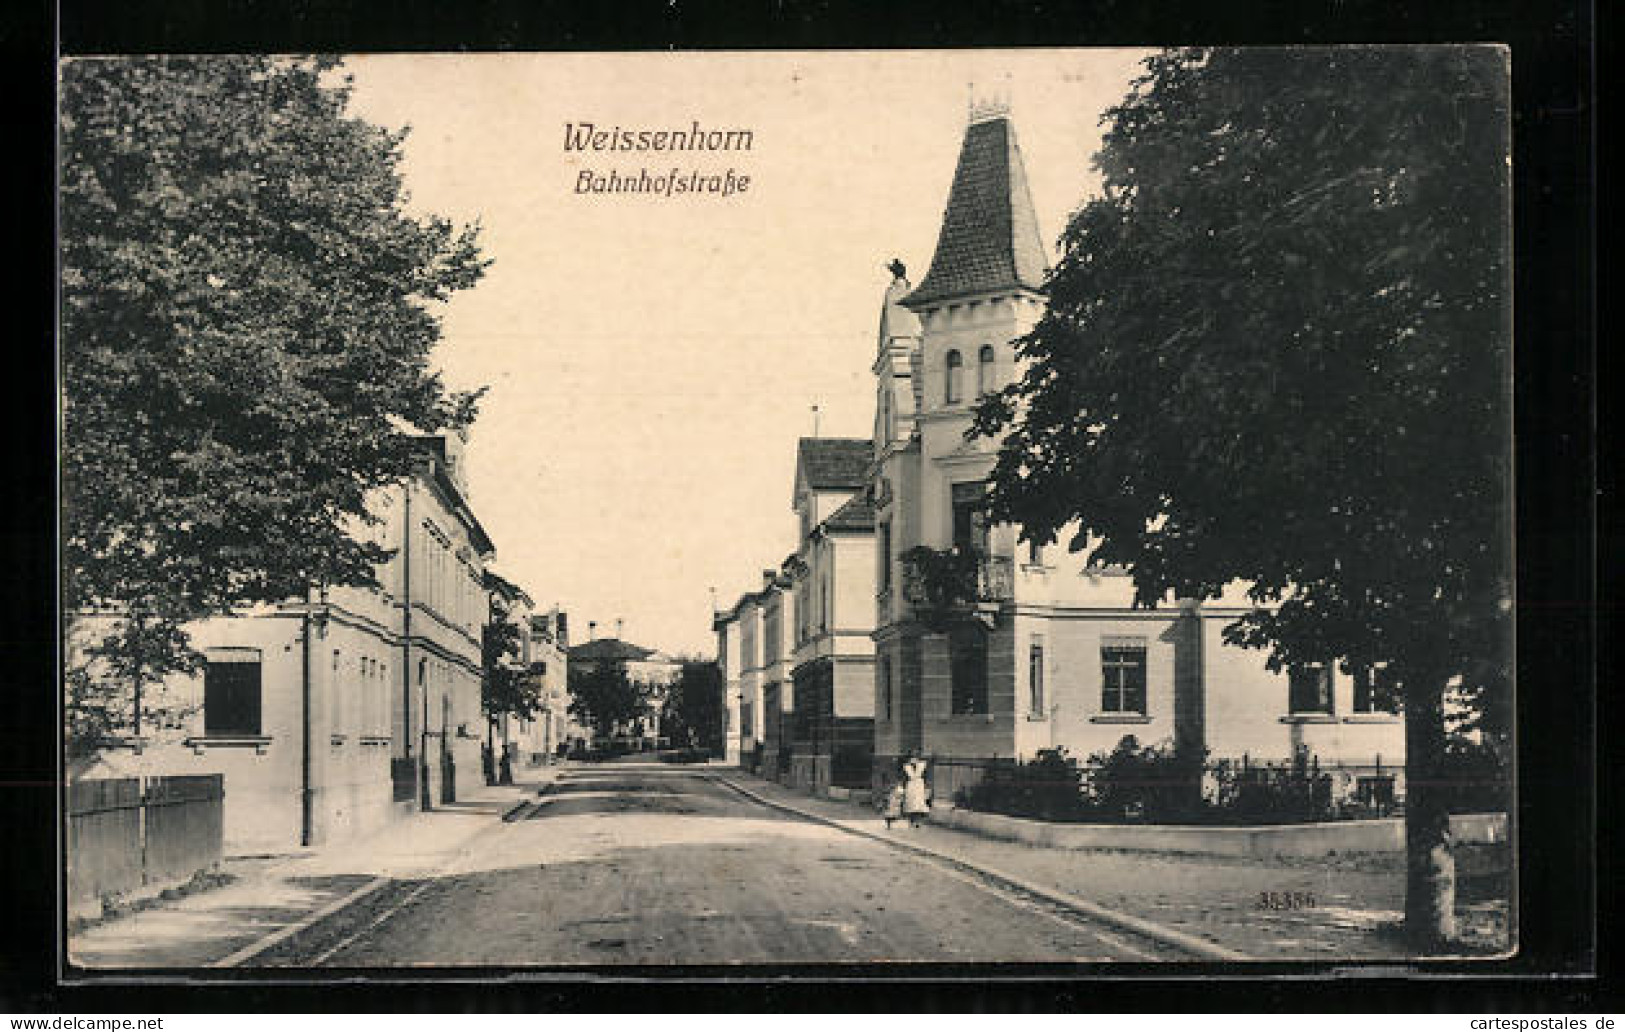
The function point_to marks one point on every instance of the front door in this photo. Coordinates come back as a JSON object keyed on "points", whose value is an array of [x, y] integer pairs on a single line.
{"points": [[448, 764]]}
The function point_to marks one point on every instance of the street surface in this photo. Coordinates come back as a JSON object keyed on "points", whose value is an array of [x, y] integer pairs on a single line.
{"points": [[645, 864]]}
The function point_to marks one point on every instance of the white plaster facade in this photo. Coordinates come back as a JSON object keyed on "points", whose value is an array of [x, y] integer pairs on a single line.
{"points": [[390, 673]]}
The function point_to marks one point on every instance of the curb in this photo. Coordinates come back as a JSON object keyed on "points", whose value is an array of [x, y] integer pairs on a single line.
{"points": [[1138, 925], [254, 949], [332, 907]]}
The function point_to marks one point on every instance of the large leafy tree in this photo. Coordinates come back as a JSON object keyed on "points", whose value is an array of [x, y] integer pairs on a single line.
{"points": [[507, 689], [1276, 352], [247, 313], [693, 712], [602, 696]]}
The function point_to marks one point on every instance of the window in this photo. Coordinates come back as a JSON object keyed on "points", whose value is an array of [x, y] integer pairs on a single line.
{"points": [[984, 370], [884, 546], [231, 696], [1122, 678], [335, 699], [883, 673], [970, 525], [956, 372], [967, 648], [1309, 690], [824, 603], [1376, 690], [1035, 677]]}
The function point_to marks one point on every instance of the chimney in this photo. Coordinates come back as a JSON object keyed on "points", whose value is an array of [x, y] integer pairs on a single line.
{"points": [[592, 630], [617, 627], [769, 578]]}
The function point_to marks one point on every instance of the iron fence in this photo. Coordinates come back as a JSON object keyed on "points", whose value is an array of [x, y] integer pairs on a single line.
{"points": [[124, 833]]}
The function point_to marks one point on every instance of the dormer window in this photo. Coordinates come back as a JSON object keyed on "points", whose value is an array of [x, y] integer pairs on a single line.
{"points": [[956, 374]]}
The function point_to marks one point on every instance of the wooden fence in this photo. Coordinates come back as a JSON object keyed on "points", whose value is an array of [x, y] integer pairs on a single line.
{"points": [[126, 833]]}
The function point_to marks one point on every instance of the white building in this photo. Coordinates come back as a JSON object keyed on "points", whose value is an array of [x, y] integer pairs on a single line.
{"points": [[989, 647], [331, 714]]}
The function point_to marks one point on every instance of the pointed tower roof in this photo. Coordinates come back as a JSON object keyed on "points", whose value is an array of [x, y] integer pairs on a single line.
{"points": [[989, 239]]}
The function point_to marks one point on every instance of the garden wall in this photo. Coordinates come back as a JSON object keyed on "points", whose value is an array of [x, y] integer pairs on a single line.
{"points": [[1385, 835]]}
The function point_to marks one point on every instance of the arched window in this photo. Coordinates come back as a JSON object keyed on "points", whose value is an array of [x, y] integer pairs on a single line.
{"points": [[955, 373], [984, 370]]}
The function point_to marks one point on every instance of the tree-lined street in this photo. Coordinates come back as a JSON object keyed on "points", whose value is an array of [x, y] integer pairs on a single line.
{"points": [[638, 864]]}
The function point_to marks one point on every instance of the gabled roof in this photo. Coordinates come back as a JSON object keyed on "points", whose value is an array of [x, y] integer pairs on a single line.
{"points": [[858, 514], [611, 649], [510, 592], [989, 240], [834, 463]]}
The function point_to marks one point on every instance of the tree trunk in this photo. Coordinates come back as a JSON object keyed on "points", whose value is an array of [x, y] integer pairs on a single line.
{"points": [[1430, 876]]}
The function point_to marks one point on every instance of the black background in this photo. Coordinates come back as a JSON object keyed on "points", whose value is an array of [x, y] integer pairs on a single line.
{"points": [[1564, 473]]}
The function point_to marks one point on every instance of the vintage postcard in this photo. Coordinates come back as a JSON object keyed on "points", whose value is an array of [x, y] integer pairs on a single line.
{"points": [[584, 511]]}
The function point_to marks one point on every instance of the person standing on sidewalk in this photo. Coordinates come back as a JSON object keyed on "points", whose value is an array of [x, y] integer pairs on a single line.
{"points": [[892, 808], [915, 804]]}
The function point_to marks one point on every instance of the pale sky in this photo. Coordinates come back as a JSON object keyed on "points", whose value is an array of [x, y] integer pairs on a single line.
{"points": [[652, 361]]}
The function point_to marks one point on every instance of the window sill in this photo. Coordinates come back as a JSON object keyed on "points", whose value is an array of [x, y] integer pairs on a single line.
{"points": [[1038, 718], [1372, 718], [338, 740], [258, 743], [1120, 718], [375, 739], [966, 718], [1309, 718]]}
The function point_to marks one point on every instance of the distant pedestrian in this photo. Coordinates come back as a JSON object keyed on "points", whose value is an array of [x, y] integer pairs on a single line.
{"points": [[893, 809], [915, 803]]}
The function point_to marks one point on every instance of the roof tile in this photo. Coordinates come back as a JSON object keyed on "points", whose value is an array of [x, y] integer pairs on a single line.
{"points": [[989, 239]]}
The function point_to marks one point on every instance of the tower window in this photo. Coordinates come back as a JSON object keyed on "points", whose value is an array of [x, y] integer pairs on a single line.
{"points": [[956, 373], [984, 370]]}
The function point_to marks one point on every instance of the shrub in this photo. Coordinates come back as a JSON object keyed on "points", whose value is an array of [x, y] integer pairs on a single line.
{"points": [[1160, 784], [1286, 793], [1048, 787]]}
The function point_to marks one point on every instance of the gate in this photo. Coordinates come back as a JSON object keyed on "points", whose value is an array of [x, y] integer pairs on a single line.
{"points": [[124, 833]]}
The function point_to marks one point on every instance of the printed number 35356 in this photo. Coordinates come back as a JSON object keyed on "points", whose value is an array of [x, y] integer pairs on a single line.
{"points": [[1285, 900]]}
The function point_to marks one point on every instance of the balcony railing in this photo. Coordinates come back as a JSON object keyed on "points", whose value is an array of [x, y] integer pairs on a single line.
{"points": [[944, 581]]}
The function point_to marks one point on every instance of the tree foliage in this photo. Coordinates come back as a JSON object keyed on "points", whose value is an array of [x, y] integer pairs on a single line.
{"points": [[505, 688], [602, 696], [693, 714], [1276, 351], [247, 314]]}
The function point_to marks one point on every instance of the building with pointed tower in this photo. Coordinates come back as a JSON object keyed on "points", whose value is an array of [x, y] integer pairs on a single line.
{"points": [[989, 647]]}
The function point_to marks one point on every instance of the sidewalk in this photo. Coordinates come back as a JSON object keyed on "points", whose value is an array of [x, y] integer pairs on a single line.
{"points": [[1358, 900], [270, 895]]}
